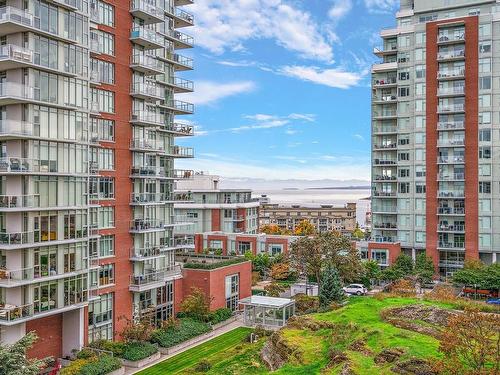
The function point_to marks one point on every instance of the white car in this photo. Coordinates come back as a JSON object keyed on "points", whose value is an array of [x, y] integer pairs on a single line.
{"points": [[357, 289]]}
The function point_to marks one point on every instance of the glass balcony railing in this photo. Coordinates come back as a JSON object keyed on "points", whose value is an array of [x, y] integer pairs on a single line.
{"points": [[154, 276], [144, 225], [451, 73], [179, 128], [443, 38], [148, 117], [138, 198], [13, 127], [459, 90], [451, 177], [147, 90], [458, 142], [25, 165], [146, 37], [19, 201], [16, 53], [451, 54], [142, 7], [451, 211], [144, 144], [147, 62], [451, 125], [458, 159], [451, 108], [183, 61], [11, 313], [451, 245], [182, 152], [451, 227], [451, 194], [181, 106], [181, 38]]}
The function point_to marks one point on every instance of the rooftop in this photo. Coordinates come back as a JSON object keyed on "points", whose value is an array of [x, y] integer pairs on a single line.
{"points": [[266, 301]]}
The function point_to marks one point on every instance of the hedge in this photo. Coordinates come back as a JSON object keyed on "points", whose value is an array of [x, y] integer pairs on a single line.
{"points": [[131, 351], [185, 329], [220, 315], [97, 365], [212, 266]]}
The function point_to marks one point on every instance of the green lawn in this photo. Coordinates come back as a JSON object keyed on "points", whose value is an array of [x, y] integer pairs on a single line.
{"points": [[191, 357], [229, 354]]}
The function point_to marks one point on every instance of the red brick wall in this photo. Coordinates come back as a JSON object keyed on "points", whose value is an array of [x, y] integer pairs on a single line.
{"points": [[199, 246], [49, 331], [278, 241], [393, 248], [251, 239], [178, 294], [212, 282], [216, 220]]}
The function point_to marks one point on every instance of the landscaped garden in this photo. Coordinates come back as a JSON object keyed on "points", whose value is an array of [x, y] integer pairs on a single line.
{"points": [[384, 335]]}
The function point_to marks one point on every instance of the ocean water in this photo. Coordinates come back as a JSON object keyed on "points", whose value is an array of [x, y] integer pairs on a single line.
{"points": [[322, 196]]}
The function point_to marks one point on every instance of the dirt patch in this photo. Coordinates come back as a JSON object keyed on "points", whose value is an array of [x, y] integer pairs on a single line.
{"points": [[428, 320], [389, 355], [347, 370], [304, 322], [360, 346], [414, 366], [277, 351]]}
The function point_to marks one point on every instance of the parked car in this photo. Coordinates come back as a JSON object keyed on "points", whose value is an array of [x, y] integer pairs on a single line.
{"points": [[493, 301], [357, 289]]}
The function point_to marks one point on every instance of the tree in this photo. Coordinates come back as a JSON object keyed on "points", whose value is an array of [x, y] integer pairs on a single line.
{"points": [[138, 331], [402, 267], [471, 343], [330, 289], [371, 272], [304, 228], [197, 305], [307, 255], [478, 274], [270, 229], [424, 268], [280, 271], [13, 359], [357, 233], [274, 289]]}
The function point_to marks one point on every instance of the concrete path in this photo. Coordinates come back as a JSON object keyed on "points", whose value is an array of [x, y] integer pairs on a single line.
{"points": [[216, 332]]}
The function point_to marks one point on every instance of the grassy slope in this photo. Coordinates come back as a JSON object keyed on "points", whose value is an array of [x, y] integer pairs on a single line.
{"points": [[182, 361], [229, 355]]}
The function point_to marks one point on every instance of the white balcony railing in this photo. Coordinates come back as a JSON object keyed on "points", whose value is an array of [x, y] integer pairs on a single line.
{"points": [[451, 125]]}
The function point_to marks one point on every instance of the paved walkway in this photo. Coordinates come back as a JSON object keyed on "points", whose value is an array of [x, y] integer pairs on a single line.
{"points": [[216, 332]]}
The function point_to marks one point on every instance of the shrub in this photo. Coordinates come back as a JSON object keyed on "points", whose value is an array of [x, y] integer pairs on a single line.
{"points": [[212, 266], [274, 289], [185, 330], [75, 367], [135, 351], [116, 347], [404, 288], [220, 315], [305, 304], [203, 366], [197, 305], [85, 354], [137, 331], [104, 365]]}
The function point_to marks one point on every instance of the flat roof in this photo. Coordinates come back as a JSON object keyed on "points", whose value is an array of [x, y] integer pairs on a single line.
{"points": [[266, 301]]}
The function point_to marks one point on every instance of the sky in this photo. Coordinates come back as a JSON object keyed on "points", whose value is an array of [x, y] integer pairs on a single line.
{"points": [[282, 87]]}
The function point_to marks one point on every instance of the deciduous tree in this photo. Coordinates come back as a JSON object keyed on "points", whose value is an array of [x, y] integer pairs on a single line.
{"points": [[304, 228], [197, 304], [424, 268], [13, 359]]}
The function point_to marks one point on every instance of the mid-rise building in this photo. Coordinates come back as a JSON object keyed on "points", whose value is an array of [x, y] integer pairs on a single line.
{"points": [[435, 137], [325, 217], [210, 208], [87, 128]]}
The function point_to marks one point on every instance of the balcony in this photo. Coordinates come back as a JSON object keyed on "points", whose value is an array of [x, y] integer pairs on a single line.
{"points": [[179, 85], [387, 50], [181, 152], [180, 62], [146, 253], [182, 197], [147, 38], [181, 17], [386, 99], [149, 65], [153, 279], [384, 178], [451, 125], [385, 114], [16, 165], [380, 239], [183, 2], [382, 67], [445, 245], [459, 159], [160, 172], [385, 226], [178, 129], [385, 162], [450, 39], [451, 55], [451, 108], [14, 57], [180, 40], [147, 225], [451, 142], [12, 129], [146, 91], [385, 130], [451, 211], [10, 314], [143, 199], [451, 228], [94, 77], [451, 73], [451, 194], [451, 91], [179, 107], [141, 144], [387, 146], [147, 12], [385, 82], [384, 194], [451, 177], [19, 202], [147, 118]]}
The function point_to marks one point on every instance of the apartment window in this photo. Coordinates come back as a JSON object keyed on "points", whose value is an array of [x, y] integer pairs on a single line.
{"points": [[428, 18], [228, 214], [420, 37], [485, 47], [106, 188], [45, 86], [75, 290], [102, 129], [404, 41], [243, 247], [216, 244], [106, 274], [420, 89], [104, 70], [485, 152], [419, 138], [485, 83], [485, 117], [420, 171], [106, 217], [404, 141], [419, 188], [404, 173], [485, 135], [404, 76], [76, 27], [485, 187], [404, 156], [484, 240], [404, 91], [106, 14], [106, 246], [100, 318], [76, 59], [485, 170], [106, 159], [232, 291], [192, 215], [484, 100], [485, 30], [403, 57], [484, 223], [420, 122], [420, 237], [420, 54], [420, 71], [45, 52], [484, 205], [404, 187], [105, 42], [381, 257], [275, 249], [485, 65], [45, 296], [105, 100]]}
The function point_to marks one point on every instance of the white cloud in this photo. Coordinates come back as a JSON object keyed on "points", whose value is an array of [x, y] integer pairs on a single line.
{"points": [[339, 9], [262, 125], [381, 6], [359, 137], [291, 131], [208, 92], [336, 78], [237, 64], [226, 24]]}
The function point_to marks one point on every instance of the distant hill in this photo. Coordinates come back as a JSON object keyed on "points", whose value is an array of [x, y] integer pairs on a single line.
{"points": [[292, 184]]}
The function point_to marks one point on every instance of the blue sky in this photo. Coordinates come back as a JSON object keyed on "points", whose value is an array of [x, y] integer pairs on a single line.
{"points": [[282, 87]]}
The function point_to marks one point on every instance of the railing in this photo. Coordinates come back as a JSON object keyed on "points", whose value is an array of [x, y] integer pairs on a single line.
{"points": [[147, 61], [179, 128], [451, 73], [16, 15], [9, 276], [187, 152], [183, 241], [139, 225], [451, 159], [451, 125], [181, 106], [148, 171], [385, 129], [182, 14], [388, 81], [451, 228], [146, 8], [154, 277], [238, 218], [146, 34], [450, 142], [385, 161], [181, 60], [9, 313], [456, 90], [181, 37], [451, 194], [385, 226], [182, 219], [388, 98], [149, 197], [384, 178], [95, 46], [141, 143], [184, 197], [17, 238], [383, 239], [20, 201], [94, 76], [454, 176], [448, 245], [94, 107], [385, 114], [13, 52], [146, 252], [18, 90], [452, 108], [185, 84], [182, 173], [386, 146], [14, 127], [451, 211], [147, 89], [450, 54], [450, 38], [147, 116], [21, 165], [384, 193]]}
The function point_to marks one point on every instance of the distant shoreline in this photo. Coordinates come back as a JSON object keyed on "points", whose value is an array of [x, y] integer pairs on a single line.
{"points": [[339, 188]]}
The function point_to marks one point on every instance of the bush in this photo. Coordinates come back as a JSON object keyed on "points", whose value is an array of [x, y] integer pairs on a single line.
{"points": [[131, 351], [203, 366], [85, 354], [212, 266], [305, 304], [185, 330], [75, 367], [104, 365], [220, 315]]}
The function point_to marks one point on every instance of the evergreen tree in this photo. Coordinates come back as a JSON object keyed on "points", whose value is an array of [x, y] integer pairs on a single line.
{"points": [[330, 289], [13, 359], [424, 268]]}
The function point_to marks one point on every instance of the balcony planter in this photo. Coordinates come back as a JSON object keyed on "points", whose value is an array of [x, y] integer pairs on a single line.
{"points": [[142, 362]]}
